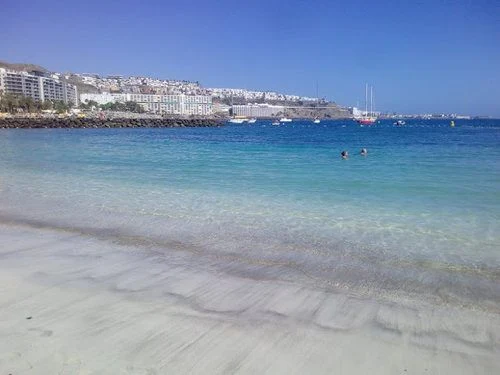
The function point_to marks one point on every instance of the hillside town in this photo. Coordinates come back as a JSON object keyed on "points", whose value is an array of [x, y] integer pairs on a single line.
{"points": [[147, 85], [157, 96], [166, 97]]}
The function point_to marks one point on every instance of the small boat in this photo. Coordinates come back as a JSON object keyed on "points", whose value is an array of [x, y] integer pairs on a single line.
{"points": [[316, 120], [285, 119], [399, 123], [452, 123], [275, 123], [238, 120], [252, 120]]}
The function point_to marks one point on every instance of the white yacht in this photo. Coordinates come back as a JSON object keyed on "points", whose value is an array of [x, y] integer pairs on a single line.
{"points": [[285, 119]]}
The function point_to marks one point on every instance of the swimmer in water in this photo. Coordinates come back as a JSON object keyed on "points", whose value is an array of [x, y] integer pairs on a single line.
{"points": [[344, 154], [364, 152]]}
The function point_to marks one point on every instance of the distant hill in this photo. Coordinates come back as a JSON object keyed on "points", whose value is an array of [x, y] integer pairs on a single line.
{"points": [[22, 67]]}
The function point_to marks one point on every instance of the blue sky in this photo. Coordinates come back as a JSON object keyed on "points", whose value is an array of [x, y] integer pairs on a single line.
{"points": [[421, 56]]}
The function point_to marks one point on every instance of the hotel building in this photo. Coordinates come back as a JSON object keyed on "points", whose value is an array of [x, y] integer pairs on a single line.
{"points": [[37, 85], [257, 110], [198, 105]]}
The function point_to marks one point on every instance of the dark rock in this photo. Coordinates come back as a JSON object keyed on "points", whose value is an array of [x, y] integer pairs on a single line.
{"points": [[26, 123]]}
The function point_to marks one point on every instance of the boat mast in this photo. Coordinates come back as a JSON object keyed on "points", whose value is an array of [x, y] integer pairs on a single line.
{"points": [[374, 106], [371, 101], [317, 100], [366, 99]]}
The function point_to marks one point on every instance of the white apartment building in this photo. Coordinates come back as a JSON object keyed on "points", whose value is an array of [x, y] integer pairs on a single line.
{"points": [[200, 105], [104, 98], [37, 86], [257, 110]]}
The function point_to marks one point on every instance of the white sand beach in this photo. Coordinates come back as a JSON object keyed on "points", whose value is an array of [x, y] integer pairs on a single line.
{"points": [[73, 304]]}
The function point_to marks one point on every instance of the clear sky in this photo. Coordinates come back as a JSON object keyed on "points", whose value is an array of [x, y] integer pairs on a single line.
{"points": [[420, 56]]}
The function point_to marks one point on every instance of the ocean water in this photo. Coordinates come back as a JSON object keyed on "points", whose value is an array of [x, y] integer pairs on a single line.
{"points": [[419, 216]]}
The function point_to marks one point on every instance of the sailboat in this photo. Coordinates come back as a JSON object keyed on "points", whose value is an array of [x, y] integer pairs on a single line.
{"points": [[367, 119], [236, 119], [316, 119]]}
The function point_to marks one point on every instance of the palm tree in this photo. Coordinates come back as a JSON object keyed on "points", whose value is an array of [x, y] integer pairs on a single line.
{"points": [[9, 103], [47, 104], [27, 104], [60, 106], [12, 103]]}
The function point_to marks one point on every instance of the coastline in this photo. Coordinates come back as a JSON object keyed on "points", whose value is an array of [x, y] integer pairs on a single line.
{"points": [[118, 122], [72, 303]]}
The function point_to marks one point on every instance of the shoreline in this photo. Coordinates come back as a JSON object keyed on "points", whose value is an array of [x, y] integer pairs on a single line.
{"points": [[144, 122], [72, 302], [275, 269]]}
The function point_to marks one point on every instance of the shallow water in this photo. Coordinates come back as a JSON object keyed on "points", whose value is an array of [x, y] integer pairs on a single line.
{"points": [[418, 216]]}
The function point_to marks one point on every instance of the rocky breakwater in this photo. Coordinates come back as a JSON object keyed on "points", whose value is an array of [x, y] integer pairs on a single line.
{"points": [[75, 122]]}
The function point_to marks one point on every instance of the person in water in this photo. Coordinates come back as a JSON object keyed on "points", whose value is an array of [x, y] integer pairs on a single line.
{"points": [[364, 152], [344, 154]]}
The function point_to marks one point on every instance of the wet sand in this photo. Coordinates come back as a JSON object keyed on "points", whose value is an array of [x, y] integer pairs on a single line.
{"points": [[75, 304]]}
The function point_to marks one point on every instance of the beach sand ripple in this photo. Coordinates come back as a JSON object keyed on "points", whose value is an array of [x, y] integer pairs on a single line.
{"points": [[74, 304]]}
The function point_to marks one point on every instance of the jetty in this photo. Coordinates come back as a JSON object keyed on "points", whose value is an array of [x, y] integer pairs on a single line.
{"points": [[123, 122]]}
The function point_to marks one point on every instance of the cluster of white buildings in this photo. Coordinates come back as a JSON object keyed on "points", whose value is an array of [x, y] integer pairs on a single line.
{"points": [[138, 85], [185, 105], [146, 85], [37, 85], [226, 93]]}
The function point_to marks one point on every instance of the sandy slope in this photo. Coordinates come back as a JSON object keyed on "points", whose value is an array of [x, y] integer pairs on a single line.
{"points": [[96, 307]]}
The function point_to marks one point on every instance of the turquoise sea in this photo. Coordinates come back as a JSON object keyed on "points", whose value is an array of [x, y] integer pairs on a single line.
{"points": [[418, 216]]}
